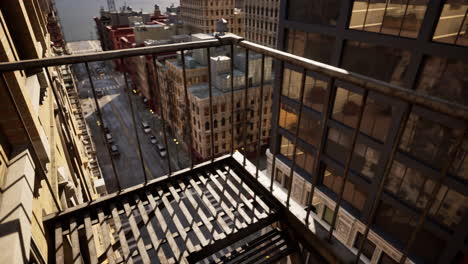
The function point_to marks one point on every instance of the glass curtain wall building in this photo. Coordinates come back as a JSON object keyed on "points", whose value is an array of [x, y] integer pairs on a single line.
{"points": [[417, 44]]}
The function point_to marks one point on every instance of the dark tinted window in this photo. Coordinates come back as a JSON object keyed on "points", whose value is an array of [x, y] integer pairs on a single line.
{"points": [[314, 12], [367, 248], [399, 225], [380, 62], [415, 188], [445, 78], [311, 45], [354, 194], [386, 259]]}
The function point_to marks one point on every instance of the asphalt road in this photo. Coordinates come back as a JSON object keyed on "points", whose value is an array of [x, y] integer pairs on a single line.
{"points": [[117, 115]]}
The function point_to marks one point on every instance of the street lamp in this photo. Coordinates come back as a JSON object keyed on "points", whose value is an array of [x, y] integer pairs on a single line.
{"points": [[177, 152]]}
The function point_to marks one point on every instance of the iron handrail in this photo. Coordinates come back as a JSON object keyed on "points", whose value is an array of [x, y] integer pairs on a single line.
{"points": [[410, 96]]}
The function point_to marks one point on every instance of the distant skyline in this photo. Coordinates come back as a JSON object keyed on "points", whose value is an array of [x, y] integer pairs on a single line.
{"points": [[77, 16]]}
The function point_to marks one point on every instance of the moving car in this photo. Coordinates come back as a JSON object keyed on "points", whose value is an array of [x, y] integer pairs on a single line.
{"points": [[146, 127], [162, 150], [153, 140]]}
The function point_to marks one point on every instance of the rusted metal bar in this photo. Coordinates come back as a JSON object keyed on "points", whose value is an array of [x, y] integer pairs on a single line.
{"points": [[349, 158], [296, 135], [114, 54], [388, 167], [260, 116], [187, 105], [244, 132], [34, 154], [163, 118], [101, 120], [407, 95], [67, 131], [210, 95], [439, 182], [327, 110], [132, 113], [232, 99], [276, 121]]}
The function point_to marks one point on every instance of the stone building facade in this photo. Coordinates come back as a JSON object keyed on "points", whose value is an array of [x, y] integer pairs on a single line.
{"points": [[261, 21], [201, 16], [42, 154], [173, 101]]}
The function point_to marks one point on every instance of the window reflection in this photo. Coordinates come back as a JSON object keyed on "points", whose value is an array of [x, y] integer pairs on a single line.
{"points": [[399, 224], [315, 93], [428, 141], [305, 160], [380, 62], [291, 84], [346, 107], [460, 165], [415, 188], [445, 78], [364, 160], [309, 129], [354, 194], [287, 148], [314, 12], [288, 118], [377, 119], [311, 45], [452, 24], [393, 17]]}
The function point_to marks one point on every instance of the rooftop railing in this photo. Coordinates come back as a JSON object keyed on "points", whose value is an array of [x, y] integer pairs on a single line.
{"points": [[266, 190]]}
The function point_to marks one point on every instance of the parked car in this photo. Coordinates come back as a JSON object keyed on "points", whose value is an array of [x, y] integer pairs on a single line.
{"points": [[146, 127], [162, 150], [106, 129], [109, 138], [153, 140], [115, 150]]}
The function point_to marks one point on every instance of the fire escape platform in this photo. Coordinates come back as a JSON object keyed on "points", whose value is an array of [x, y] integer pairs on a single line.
{"points": [[195, 215]]}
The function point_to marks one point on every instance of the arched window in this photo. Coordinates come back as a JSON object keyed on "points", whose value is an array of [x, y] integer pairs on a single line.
{"points": [[215, 123], [207, 125], [223, 121]]}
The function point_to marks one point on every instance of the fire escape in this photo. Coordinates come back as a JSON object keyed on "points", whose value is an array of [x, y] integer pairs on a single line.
{"points": [[221, 211]]}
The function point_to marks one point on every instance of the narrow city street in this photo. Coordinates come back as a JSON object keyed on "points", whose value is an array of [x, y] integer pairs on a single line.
{"points": [[117, 116]]}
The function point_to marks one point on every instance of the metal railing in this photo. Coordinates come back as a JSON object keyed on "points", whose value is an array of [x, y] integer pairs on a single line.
{"points": [[409, 97]]}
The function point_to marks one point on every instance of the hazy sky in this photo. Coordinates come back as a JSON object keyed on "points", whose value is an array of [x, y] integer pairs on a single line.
{"points": [[77, 15]]}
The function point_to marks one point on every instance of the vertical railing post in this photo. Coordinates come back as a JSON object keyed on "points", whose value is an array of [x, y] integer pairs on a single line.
{"points": [[260, 116], [296, 135], [101, 120], [244, 132], [67, 131], [232, 98], [132, 113], [439, 182], [349, 158], [163, 118], [327, 109], [210, 94], [388, 166], [275, 123], [187, 105], [34, 154]]}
